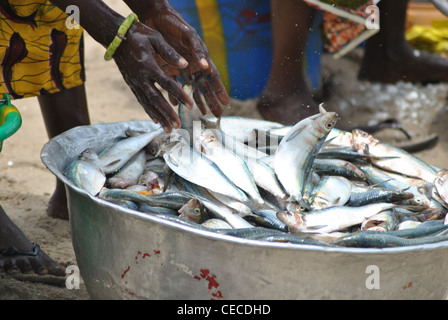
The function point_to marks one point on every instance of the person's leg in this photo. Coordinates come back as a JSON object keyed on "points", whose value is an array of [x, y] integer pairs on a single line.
{"points": [[61, 112], [388, 56], [287, 98], [12, 237]]}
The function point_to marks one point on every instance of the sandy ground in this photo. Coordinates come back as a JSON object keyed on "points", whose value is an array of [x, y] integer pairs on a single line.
{"points": [[26, 185]]}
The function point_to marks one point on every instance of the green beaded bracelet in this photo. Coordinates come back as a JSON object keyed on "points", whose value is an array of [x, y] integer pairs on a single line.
{"points": [[121, 33]]}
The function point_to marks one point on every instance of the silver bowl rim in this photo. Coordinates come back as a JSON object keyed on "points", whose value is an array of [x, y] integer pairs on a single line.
{"points": [[226, 238]]}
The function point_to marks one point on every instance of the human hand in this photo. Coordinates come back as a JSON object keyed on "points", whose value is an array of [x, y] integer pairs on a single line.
{"points": [[137, 59], [161, 16]]}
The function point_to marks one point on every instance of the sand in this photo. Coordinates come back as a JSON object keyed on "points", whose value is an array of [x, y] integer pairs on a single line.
{"points": [[26, 185]]}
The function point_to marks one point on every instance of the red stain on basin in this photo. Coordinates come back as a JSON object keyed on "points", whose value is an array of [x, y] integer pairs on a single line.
{"points": [[212, 283], [125, 271]]}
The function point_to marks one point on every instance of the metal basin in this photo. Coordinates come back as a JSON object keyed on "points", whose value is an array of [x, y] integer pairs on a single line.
{"points": [[124, 254]]}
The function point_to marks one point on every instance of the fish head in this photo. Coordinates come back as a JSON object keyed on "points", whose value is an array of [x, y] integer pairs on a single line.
{"points": [[327, 121], [209, 139], [294, 221], [154, 146], [193, 210], [418, 202], [166, 146], [361, 140], [151, 180], [208, 136], [383, 221], [89, 155]]}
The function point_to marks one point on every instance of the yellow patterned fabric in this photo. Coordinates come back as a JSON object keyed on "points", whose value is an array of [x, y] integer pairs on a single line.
{"points": [[39, 53]]}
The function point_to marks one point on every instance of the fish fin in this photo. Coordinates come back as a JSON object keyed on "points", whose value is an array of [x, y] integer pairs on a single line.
{"points": [[132, 133], [174, 162], [321, 109], [380, 183], [169, 177], [111, 164], [327, 142], [316, 228]]}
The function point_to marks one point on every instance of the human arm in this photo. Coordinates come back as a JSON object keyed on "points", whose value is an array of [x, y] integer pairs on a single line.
{"points": [[136, 58], [161, 16]]}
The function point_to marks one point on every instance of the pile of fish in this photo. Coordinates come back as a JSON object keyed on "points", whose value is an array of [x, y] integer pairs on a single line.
{"points": [[309, 184]]}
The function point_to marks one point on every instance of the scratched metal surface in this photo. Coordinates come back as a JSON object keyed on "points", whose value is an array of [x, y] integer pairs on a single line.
{"points": [[124, 254]]}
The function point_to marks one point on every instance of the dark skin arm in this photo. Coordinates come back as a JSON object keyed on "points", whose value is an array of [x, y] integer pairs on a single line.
{"points": [[137, 58], [161, 16]]}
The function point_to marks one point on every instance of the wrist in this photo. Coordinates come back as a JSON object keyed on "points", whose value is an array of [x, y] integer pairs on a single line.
{"points": [[98, 19], [120, 36], [147, 9]]}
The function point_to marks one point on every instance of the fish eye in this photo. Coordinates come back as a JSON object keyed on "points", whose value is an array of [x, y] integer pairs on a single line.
{"points": [[329, 125], [197, 210], [153, 151]]}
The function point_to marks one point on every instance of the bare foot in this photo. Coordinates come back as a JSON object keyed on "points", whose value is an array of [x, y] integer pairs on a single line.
{"points": [[402, 63], [19, 255]]}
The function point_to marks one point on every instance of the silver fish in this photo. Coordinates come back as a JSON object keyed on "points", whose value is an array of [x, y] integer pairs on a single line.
{"points": [[338, 167], [266, 234], [114, 157], [382, 179], [171, 200], [378, 195], [222, 212], [264, 176], [129, 174], [230, 164], [383, 221], [399, 161], [193, 167], [385, 240], [408, 224], [194, 211], [333, 218], [233, 204], [330, 191], [86, 173], [153, 147], [150, 180], [215, 208], [216, 224], [294, 157], [421, 201], [340, 138], [244, 129], [144, 207], [189, 117]]}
